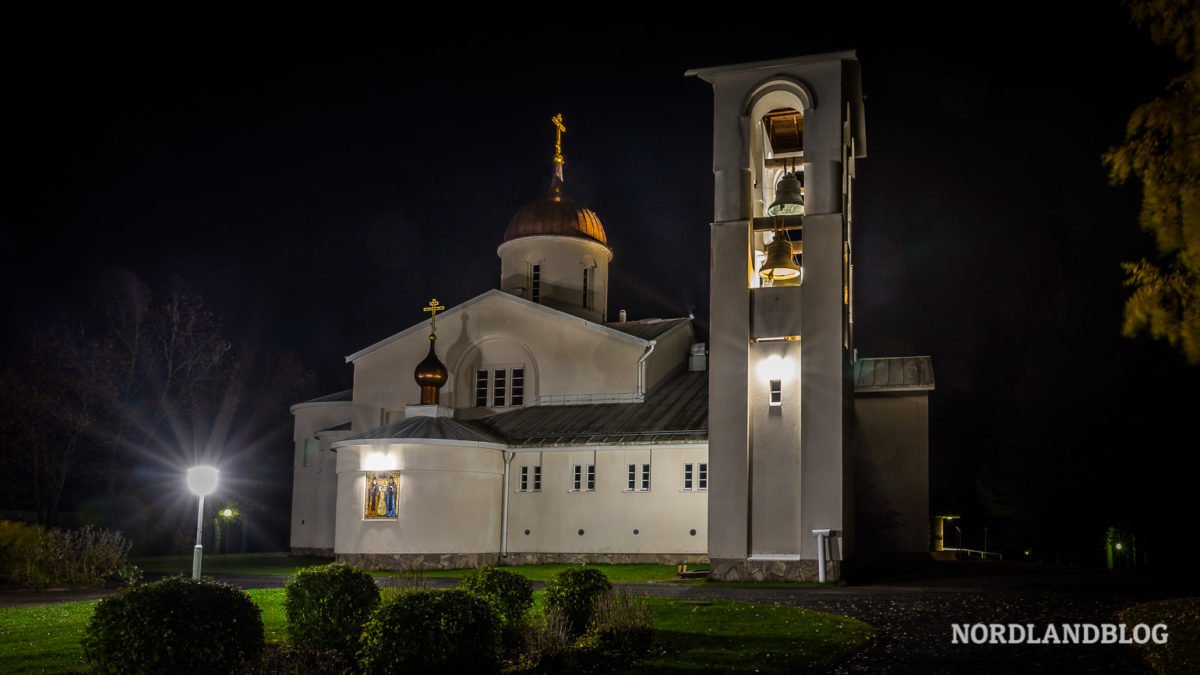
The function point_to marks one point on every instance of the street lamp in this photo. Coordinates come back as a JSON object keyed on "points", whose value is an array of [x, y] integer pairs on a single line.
{"points": [[202, 481]]}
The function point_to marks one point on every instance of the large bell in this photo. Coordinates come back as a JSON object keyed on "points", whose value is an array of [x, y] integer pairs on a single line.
{"points": [[789, 200], [780, 263]]}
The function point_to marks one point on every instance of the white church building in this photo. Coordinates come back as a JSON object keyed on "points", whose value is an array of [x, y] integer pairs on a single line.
{"points": [[527, 425]]}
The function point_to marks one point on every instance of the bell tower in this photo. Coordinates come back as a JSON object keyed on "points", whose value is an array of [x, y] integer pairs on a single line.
{"points": [[786, 135]]}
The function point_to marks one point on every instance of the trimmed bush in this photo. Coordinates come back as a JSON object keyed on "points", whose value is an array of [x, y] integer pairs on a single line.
{"points": [[282, 658], [327, 605], [175, 625], [448, 631], [574, 592], [510, 594]]}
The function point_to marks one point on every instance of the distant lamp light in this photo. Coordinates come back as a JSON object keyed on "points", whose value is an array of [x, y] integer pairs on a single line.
{"points": [[228, 513], [202, 481], [1118, 546], [789, 197], [781, 260]]}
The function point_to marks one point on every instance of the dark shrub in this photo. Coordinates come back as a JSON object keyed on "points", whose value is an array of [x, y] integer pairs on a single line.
{"points": [[573, 592], [327, 605], [279, 658], [174, 626], [510, 594], [36, 557], [431, 632], [622, 624]]}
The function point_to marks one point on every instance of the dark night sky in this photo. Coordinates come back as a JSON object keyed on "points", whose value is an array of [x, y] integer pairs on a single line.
{"points": [[317, 186]]}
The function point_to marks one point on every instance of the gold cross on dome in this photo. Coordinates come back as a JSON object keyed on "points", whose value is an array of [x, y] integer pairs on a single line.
{"points": [[559, 128], [433, 310]]}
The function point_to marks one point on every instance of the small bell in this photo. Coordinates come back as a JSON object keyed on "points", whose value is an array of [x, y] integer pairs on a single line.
{"points": [[789, 200], [780, 263]]}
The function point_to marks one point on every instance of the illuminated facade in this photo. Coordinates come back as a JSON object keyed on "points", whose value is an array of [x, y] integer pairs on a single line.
{"points": [[558, 434]]}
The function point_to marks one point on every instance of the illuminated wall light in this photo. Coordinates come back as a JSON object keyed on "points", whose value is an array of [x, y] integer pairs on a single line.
{"points": [[378, 461], [776, 367]]}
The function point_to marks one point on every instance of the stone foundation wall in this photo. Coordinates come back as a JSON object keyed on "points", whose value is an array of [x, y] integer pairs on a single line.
{"points": [[740, 569], [605, 558], [403, 562], [320, 552]]}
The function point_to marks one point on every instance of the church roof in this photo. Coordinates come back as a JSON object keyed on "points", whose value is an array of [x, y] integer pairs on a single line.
{"points": [[647, 329], [674, 412], [556, 215], [335, 397], [426, 428], [897, 373]]}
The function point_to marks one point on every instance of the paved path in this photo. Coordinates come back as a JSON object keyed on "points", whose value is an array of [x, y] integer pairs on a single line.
{"points": [[914, 618]]}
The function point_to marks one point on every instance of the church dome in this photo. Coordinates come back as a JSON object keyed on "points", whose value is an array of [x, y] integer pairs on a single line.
{"points": [[555, 214], [431, 374]]}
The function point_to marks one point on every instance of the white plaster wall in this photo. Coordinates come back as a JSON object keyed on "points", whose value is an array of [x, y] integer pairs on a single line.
{"points": [[449, 499], [670, 355], [775, 457], [562, 261], [312, 502], [664, 516], [564, 355]]}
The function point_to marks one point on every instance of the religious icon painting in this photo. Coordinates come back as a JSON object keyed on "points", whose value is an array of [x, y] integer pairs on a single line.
{"points": [[383, 489]]}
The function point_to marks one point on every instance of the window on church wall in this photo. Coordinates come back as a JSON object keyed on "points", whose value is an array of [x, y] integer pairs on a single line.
{"points": [[481, 389], [587, 272], [695, 476], [500, 387], [583, 478], [531, 479], [535, 282], [638, 478]]}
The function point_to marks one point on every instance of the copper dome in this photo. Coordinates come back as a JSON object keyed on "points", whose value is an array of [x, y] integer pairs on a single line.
{"points": [[555, 215]]}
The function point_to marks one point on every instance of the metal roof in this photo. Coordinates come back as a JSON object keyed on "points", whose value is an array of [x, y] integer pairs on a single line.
{"points": [[898, 373], [646, 329], [674, 412], [426, 428]]}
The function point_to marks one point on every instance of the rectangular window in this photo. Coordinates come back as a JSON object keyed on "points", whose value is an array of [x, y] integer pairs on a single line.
{"points": [[703, 477], [518, 387], [645, 476], [776, 393], [632, 477], [583, 477], [499, 387], [535, 283], [687, 476], [537, 478], [524, 479], [586, 274], [481, 388]]}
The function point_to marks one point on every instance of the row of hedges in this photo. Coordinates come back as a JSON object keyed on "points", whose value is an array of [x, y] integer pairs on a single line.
{"points": [[36, 557], [336, 620]]}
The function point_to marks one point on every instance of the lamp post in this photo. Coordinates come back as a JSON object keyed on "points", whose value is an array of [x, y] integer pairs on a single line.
{"points": [[202, 481]]}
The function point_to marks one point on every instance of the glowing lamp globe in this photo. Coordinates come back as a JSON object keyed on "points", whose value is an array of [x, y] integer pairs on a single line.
{"points": [[202, 480]]}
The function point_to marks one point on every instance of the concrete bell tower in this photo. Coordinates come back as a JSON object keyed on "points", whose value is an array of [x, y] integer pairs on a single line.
{"points": [[781, 351]]}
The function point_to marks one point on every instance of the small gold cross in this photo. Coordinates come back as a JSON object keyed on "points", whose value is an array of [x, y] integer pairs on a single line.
{"points": [[433, 310], [559, 128]]}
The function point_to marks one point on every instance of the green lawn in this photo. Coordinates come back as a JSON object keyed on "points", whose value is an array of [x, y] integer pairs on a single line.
{"points": [[1181, 654], [43, 638], [743, 637], [717, 636]]}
